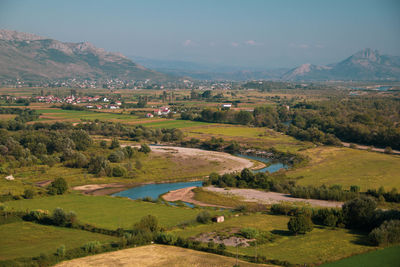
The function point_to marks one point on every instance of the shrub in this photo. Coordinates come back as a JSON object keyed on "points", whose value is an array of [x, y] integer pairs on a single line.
{"points": [[300, 225], [145, 149], [58, 187], [330, 220], [61, 251], [387, 233], [59, 217], [203, 217], [92, 247], [147, 223], [118, 171], [114, 143], [29, 194], [249, 233], [165, 238]]}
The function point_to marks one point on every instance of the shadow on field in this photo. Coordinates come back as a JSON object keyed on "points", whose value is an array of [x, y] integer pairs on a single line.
{"points": [[281, 232], [361, 238]]}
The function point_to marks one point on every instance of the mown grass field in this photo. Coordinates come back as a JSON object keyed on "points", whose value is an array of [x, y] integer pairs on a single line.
{"points": [[157, 255], [25, 239], [252, 136], [169, 124], [320, 245], [108, 212], [387, 257], [345, 166]]}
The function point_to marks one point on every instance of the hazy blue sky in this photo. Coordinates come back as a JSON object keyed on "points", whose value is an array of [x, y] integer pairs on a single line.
{"points": [[275, 33]]}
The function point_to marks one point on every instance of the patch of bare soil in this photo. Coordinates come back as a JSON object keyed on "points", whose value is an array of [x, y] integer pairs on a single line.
{"points": [[43, 183], [228, 238], [186, 195], [253, 195]]}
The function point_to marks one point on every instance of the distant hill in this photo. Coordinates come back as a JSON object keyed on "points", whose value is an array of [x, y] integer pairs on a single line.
{"points": [[365, 65], [30, 57]]}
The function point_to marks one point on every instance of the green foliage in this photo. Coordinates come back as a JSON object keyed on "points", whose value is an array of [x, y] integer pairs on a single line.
{"points": [[387, 233], [144, 149], [92, 246], [29, 194], [249, 232], [61, 251], [118, 171], [358, 213], [300, 224], [58, 187], [203, 217], [114, 143], [147, 223]]}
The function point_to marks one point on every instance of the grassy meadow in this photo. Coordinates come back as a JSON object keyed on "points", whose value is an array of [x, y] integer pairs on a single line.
{"points": [[387, 257], [249, 136], [345, 166], [108, 212], [29, 239], [320, 245]]}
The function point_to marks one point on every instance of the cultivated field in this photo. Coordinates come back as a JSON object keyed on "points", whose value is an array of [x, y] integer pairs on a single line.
{"points": [[29, 239], [345, 166], [156, 255]]}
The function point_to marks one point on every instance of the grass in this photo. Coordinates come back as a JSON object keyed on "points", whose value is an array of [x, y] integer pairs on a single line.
{"points": [[386, 257], [108, 212], [320, 245], [169, 124], [219, 199], [157, 255], [77, 115], [29, 239], [345, 166], [253, 136]]}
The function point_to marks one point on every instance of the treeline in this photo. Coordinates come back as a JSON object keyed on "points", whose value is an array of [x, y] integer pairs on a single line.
{"points": [[23, 115], [360, 213], [365, 121], [279, 182]]}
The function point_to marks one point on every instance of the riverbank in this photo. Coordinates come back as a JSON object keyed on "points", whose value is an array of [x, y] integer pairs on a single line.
{"points": [[187, 195]]}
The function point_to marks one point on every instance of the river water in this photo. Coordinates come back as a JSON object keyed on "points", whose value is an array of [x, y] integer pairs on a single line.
{"points": [[155, 190]]}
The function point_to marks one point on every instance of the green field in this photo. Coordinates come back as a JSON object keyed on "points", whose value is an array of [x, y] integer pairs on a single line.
{"points": [[345, 166], [77, 115], [169, 124], [387, 257], [108, 212], [252, 136], [320, 245], [29, 239]]}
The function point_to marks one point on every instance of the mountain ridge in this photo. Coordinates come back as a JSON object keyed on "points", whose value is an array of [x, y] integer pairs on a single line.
{"points": [[31, 57]]}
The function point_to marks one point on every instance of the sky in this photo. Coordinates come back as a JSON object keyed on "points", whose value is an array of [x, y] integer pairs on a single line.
{"points": [[248, 33]]}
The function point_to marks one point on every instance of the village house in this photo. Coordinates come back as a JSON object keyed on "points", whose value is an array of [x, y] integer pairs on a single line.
{"points": [[149, 115]]}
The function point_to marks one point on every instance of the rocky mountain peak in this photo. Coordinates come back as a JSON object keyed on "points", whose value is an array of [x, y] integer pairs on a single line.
{"points": [[368, 54], [10, 35]]}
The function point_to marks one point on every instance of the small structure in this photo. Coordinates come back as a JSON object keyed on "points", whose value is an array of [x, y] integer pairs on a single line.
{"points": [[218, 219], [226, 106], [149, 115], [10, 177]]}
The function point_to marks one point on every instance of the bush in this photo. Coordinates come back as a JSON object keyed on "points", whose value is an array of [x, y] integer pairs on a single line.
{"points": [[387, 233], [147, 223], [165, 238], [118, 171], [145, 149], [92, 247], [203, 217], [249, 233], [300, 224], [114, 143], [358, 213], [29, 194], [58, 187], [59, 217], [61, 251]]}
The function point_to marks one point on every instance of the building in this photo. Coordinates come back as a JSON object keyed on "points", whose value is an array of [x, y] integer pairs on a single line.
{"points": [[218, 219], [149, 115]]}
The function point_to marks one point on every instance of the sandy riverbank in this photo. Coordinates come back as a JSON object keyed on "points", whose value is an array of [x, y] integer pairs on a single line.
{"points": [[186, 195]]}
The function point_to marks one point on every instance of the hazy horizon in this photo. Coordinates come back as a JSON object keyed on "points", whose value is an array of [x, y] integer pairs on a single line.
{"points": [[257, 34]]}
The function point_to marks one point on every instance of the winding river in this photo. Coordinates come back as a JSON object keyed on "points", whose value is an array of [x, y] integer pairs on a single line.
{"points": [[155, 190]]}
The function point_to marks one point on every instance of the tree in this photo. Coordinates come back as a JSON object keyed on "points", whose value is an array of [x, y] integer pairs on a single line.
{"points": [[300, 224], [58, 187], [81, 139], [103, 144], [59, 217], [358, 213], [29, 194], [145, 149], [118, 171], [147, 223], [114, 143]]}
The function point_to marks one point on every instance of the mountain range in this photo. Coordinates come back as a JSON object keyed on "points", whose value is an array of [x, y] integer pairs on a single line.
{"points": [[30, 57], [365, 65]]}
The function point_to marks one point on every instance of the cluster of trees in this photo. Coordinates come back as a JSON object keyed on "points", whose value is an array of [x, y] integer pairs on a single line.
{"points": [[247, 179], [365, 121], [382, 195], [334, 192]]}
